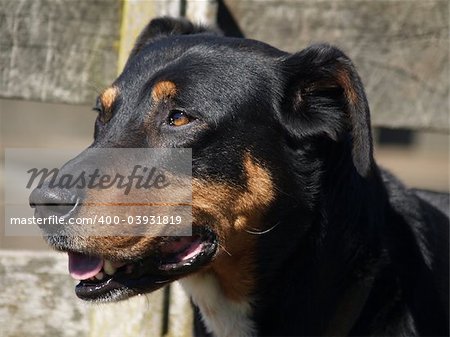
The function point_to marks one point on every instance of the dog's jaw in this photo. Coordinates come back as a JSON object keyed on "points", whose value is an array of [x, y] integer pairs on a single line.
{"points": [[221, 316]]}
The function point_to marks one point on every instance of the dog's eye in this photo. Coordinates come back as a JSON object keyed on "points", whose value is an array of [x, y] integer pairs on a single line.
{"points": [[178, 118]]}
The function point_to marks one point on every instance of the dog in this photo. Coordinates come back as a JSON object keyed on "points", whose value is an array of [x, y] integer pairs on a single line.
{"points": [[296, 230]]}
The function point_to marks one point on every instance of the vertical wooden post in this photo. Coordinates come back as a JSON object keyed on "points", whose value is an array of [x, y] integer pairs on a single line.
{"points": [[202, 11], [136, 14], [180, 313], [140, 316]]}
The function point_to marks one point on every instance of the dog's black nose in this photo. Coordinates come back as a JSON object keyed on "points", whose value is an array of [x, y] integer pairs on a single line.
{"points": [[53, 201]]}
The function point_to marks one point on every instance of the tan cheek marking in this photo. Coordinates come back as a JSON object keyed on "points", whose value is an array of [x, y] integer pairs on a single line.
{"points": [[221, 199], [163, 89], [116, 247], [234, 273], [260, 191], [234, 210], [119, 242], [111, 246], [250, 210]]}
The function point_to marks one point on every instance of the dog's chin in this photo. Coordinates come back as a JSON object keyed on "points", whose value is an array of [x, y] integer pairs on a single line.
{"points": [[174, 258]]}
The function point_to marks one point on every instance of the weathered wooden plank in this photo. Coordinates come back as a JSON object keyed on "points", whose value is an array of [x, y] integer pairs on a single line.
{"points": [[65, 51], [58, 50], [136, 317], [202, 11], [180, 313], [136, 15], [401, 48], [37, 299]]}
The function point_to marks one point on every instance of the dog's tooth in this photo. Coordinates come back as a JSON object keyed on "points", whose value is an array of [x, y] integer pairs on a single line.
{"points": [[99, 276], [109, 268]]}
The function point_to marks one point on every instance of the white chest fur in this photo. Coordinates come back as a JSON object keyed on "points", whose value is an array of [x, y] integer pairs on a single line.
{"points": [[221, 316]]}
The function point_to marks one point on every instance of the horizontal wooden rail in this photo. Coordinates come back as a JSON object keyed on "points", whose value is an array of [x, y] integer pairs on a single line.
{"points": [[67, 51], [37, 299]]}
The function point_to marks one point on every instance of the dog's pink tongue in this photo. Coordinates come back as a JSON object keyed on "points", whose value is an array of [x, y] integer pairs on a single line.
{"points": [[82, 267]]}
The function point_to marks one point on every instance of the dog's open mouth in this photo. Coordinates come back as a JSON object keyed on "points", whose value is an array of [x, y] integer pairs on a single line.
{"points": [[104, 280]]}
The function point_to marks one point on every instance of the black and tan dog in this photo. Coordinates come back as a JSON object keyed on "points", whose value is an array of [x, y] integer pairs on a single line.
{"points": [[297, 232]]}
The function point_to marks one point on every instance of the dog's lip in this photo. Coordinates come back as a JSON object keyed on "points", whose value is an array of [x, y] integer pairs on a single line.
{"points": [[172, 260]]}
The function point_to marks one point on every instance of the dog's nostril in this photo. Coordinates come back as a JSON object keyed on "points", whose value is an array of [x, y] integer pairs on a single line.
{"points": [[49, 202]]}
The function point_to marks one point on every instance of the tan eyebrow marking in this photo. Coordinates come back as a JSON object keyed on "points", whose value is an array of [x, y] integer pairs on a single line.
{"points": [[107, 98], [163, 89]]}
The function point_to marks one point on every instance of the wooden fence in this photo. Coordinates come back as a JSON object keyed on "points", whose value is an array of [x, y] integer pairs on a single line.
{"points": [[38, 299], [66, 51]]}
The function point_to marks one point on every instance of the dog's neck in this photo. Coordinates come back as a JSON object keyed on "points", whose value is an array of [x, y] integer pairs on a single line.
{"points": [[222, 317]]}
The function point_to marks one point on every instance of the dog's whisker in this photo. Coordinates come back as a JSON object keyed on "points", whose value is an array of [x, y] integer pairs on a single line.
{"points": [[226, 251], [163, 281], [257, 232]]}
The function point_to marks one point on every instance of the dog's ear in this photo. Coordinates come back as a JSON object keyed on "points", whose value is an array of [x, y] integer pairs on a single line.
{"points": [[166, 26], [324, 96]]}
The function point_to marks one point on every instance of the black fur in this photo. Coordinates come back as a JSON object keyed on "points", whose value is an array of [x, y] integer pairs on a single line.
{"points": [[354, 251]]}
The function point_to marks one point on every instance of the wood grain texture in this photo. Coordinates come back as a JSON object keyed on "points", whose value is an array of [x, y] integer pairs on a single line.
{"points": [[202, 12], [401, 48], [58, 50], [37, 299], [136, 15], [68, 51], [136, 317], [180, 313]]}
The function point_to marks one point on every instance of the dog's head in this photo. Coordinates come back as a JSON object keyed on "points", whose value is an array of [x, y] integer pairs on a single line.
{"points": [[264, 126]]}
